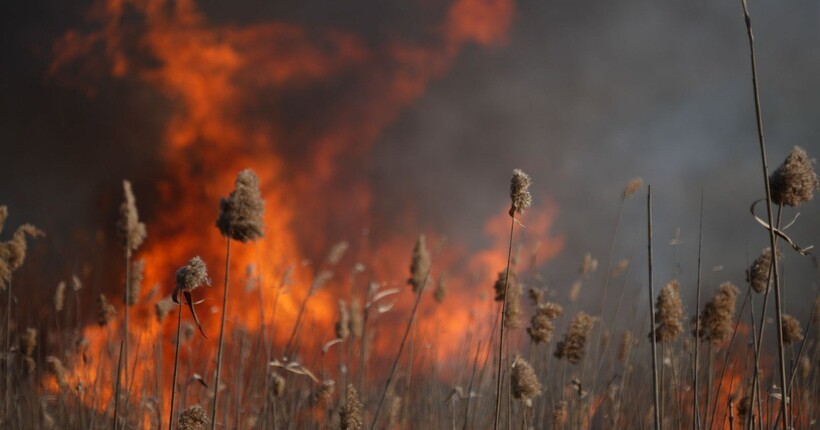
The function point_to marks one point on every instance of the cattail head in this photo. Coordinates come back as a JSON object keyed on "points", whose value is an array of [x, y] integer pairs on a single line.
{"points": [[163, 307], [791, 330], [277, 385], [351, 413], [241, 213], [28, 342], [573, 346], [669, 313], [343, 324], [626, 346], [59, 297], [560, 415], [794, 181], [525, 383], [129, 228], [193, 418], [192, 276], [632, 187], [512, 318], [105, 311], [419, 265], [356, 318], [759, 273], [13, 252], [716, 317], [541, 325], [519, 192], [441, 288], [136, 277], [59, 370]]}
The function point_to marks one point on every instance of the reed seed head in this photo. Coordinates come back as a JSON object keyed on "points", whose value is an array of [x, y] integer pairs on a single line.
{"points": [[163, 307], [525, 383], [136, 276], [513, 311], [794, 181], [632, 187], [326, 390], [575, 290], [192, 275], [791, 330], [620, 268], [129, 228], [573, 347], [519, 192], [343, 324], [28, 342], [193, 418], [13, 252], [588, 266], [351, 413], [500, 285], [536, 295], [337, 252], [105, 311], [541, 325], [758, 274], [441, 288], [716, 317], [59, 370], [669, 313], [4, 214], [419, 265], [59, 297], [241, 213], [356, 318], [560, 415]]}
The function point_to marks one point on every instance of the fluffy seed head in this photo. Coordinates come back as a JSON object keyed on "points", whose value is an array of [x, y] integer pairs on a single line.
{"points": [[241, 213], [716, 317], [573, 347], [588, 266], [536, 295], [669, 313], [620, 268], [512, 319], [758, 274], [794, 181], [441, 288], [500, 285], [129, 228], [560, 415], [192, 275], [541, 325], [59, 297], [13, 252], [632, 187], [28, 342], [193, 418], [326, 390], [575, 290], [356, 318], [59, 370], [351, 413], [135, 282], [343, 324], [519, 192], [419, 265], [163, 307], [4, 213], [105, 311], [525, 383], [791, 330]]}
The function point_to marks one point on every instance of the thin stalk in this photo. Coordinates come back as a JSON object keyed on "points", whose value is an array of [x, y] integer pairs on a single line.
{"points": [[770, 214], [652, 313], [401, 348], [117, 390], [501, 332], [176, 366], [221, 332], [125, 334], [7, 351], [695, 410]]}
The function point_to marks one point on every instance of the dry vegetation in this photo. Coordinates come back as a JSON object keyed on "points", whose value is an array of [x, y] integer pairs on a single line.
{"points": [[546, 363]]}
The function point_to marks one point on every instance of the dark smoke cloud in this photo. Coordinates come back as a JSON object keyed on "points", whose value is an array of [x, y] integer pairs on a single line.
{"points": [[583, 96]]}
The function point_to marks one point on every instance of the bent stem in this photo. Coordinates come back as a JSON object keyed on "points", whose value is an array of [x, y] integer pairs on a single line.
{"points": [[221, 332], [176, 367]]}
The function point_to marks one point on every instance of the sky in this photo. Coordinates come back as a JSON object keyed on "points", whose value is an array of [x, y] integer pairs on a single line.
{"points": [[584, 95]]}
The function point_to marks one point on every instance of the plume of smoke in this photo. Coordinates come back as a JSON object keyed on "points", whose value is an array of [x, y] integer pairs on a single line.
{"points": [[669, 313], [137, 275], [758, 273], [541, 325], [105, 311], [791, 330], [716, 317], [632, 187], [129, 228], [793, 182], [193, 418], [525, 384], [241, 213], [573, 346], [343, 324], [351, 413], [519, 192], [419, 265]]}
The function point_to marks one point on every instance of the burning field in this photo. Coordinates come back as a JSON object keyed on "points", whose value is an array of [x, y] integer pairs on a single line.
{"points": [[250, 275]]}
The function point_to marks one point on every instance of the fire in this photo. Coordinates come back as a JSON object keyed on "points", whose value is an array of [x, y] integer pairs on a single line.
{"points": [[229, 88]]}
